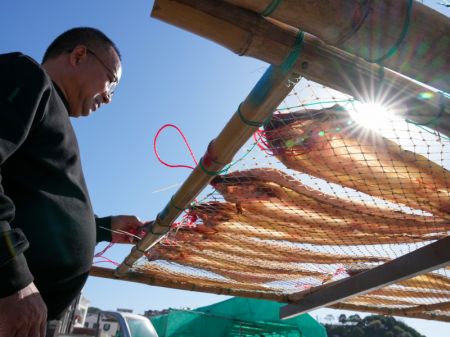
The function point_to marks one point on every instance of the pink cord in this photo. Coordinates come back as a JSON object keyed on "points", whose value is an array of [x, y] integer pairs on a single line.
{"points": [[105, 259], [189, 223], [261, 141], [99, 254], [185, 141]]}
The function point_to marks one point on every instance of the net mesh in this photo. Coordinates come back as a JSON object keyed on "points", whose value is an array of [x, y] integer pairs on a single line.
{"points": [[315, 197], [236, 317]]}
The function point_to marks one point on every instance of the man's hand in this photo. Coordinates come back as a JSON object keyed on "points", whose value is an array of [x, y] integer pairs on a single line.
{"points": [[126, 223], [23, 314]]}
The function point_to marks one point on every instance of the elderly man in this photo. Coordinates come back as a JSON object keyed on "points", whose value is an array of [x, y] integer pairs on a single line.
{"points": [[48, 230]]}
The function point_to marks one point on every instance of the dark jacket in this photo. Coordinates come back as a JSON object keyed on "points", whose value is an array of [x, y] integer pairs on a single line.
{"points": [[42, 191]]}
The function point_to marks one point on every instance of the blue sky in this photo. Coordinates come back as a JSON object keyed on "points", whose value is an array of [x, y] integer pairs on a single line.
{"points": [[169, 76]]}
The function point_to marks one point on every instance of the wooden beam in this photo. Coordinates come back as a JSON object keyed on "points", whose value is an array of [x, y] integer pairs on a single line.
{"points": [[371, 29], [182, 283], [422, 260], [248, 34]]}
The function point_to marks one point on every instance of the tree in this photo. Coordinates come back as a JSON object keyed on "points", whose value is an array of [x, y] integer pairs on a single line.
{"points": [[397, 330], [370, 326], [405, 334], [355, 319], [376, 325], [357, 332], [93, 310]]}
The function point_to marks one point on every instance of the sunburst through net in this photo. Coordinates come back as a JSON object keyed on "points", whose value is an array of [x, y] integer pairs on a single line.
{"points": [[313, 198]]}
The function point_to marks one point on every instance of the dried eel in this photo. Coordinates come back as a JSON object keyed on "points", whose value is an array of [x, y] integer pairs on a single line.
{"points": [[220, 217], [278, 177], [246, 246], [177, 254], [228, 269], [358, 158], [367, 300], [416, 293], [265, 191], [427, 281]]}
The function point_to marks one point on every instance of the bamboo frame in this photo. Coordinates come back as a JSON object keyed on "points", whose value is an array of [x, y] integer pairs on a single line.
{"points": [[370, 29], [167, 283], [246, 33], [412, 312], [268, 93]]}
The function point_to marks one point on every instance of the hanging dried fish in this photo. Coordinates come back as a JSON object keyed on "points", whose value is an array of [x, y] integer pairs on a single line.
{"points": [[271, 195], [428, 281], [323, 144], [249, 271], [223, 218], [246, 246]]}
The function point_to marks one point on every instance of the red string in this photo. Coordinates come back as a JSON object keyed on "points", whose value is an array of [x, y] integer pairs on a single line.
{"points": [[167, 242], [189, 221], [105, 259], [303, 286], [141, 233], [340, 270], [185, 141], [99, 254], [260, 138]]}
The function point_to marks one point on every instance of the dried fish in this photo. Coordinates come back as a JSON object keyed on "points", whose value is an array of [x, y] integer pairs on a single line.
{"points": [[222, 218], [243, 245], [323, 144], [248, 272], [271, 195]]}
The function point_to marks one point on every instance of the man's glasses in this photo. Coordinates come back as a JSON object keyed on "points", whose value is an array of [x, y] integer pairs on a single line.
{"points": [[113, 80]]}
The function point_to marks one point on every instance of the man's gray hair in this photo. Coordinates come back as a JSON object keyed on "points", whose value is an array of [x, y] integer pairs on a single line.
{"points": [[67, 41]]}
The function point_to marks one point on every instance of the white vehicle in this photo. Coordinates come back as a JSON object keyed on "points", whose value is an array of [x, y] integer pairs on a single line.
{"points": [[117, 324]]}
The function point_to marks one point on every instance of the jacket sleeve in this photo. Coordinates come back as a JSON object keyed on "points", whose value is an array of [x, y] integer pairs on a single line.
{"points": [[103, 226], [24, 91]]}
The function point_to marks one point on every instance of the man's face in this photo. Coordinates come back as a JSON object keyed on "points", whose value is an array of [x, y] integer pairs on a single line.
{"points": [[98, 72]]}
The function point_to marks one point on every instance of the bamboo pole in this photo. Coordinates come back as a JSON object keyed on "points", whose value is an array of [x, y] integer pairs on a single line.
{"points": [[246, 33], [373, 29], [170, 283], [412, 312], [268, 93]]}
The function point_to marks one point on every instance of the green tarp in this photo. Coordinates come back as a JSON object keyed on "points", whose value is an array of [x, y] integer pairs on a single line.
{"points": [[236, 317]]}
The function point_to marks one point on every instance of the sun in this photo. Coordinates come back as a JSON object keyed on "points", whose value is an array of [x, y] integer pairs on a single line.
{"points": [[371, 115]]}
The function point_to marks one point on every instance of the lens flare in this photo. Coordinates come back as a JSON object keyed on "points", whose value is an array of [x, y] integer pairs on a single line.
{"points": [[371, 115], [426, 95]]}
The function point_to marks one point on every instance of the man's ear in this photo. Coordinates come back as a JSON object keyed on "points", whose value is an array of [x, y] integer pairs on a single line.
{"points": [[78, 55]]}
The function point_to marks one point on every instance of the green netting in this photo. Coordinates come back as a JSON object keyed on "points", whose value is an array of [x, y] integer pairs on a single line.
{"points": [[236, 317]]}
